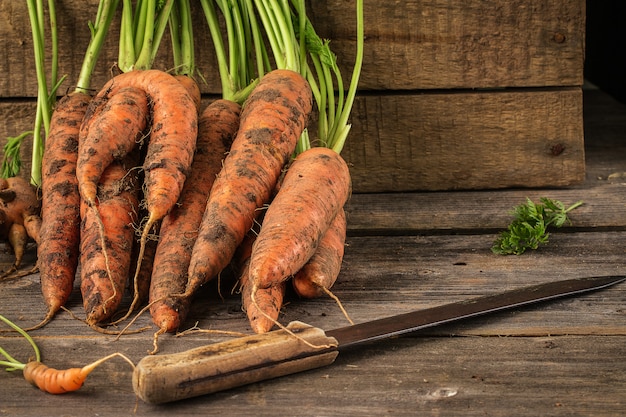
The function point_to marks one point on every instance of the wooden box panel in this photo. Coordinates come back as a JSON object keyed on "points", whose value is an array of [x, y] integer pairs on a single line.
{"points": [[454, 94], [467, 140], [418, 44], [434, 44]]}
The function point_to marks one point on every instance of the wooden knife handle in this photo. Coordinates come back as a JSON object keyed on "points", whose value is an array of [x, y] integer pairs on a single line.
{"points": [[216, 367]]}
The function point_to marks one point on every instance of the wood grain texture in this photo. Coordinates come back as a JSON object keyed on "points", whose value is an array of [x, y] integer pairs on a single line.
{"points": [[444, 141], [421, 44], [469, 211], [458, 369], [452, 376], [408, 142], [436, 44]]}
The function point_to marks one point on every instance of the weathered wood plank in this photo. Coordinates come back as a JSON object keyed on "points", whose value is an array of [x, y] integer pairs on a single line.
{"points": [[421, 44], [426, 44], [445, 141], [557, 376], [469, 211], [467, 141], [384, 275]]}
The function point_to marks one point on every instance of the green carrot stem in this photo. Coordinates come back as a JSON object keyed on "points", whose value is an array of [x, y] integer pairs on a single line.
{"points": [[187, 42], [99, 30], [181, 35], [174, 24], [218, 44], [12, 363], [159, 30], [54, 46], [42, 114], [338, 141], [148, 15], [126, 49]]}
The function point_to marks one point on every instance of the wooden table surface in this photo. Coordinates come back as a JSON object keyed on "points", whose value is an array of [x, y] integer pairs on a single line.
{"points": [[405, 252]]}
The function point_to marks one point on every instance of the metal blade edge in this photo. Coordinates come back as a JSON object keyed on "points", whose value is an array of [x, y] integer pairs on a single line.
{"points": [[447, 313]]}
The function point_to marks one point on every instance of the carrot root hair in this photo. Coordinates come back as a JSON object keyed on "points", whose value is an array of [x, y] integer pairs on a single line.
{"points": [[277, 323], [105, 254], [338, 301]]}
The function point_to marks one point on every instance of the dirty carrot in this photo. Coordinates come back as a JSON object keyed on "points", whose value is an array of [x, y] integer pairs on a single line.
{"points": [[315, 187], [172, 142], [19, 217], [319, 274], [103, 278], [264, 311], [107, 134], [57, 252], [192, 88], [146, 249], [172, 135], [112, 127], [274, 116], [218, 125]]}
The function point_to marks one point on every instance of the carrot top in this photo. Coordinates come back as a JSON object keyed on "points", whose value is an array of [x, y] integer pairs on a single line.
{"points": [[11, 363], [46, 97], [243, 59], [325, 77], [141, 32], [181, 35], [295, 45]]}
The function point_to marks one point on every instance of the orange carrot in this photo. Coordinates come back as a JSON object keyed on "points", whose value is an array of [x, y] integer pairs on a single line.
{"points": [[55, 381], [218, 125], [21, 204], [315, 187], [19, 217], [103, 278], [263, 312], [192, 88], [321, 271], [57, 252], [107, 134], [273, 117], [172, 141], [172, 136], [141, 283], [18, 238]]}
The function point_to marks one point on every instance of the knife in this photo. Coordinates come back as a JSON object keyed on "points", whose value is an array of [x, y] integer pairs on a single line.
{"points": [[299, 346]]}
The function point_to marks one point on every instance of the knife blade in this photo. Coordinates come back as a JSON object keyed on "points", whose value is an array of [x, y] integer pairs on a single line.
{"points": [[299, 347]]}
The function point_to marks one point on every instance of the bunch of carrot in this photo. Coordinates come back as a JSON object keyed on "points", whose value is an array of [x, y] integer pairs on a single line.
{"points": [[166, 194]]}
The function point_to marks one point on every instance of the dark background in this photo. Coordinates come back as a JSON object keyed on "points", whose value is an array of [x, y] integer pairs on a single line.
{"points": [[606, 46]]}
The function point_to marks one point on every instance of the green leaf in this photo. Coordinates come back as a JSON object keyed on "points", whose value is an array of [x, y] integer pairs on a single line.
{"points": [[529, 227]]}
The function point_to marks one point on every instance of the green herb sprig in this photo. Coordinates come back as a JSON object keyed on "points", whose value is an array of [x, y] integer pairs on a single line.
{"points": [[529, 228]]}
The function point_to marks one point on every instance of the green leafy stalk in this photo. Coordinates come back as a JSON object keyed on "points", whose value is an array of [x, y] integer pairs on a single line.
{"points": [[141, 32], [333, 127], [276, 18], [126, 49], [44, 105], [181, 34], [12, 162], [530, 225], [243, 51], [99, 29], [46, 97], [12, 364]]}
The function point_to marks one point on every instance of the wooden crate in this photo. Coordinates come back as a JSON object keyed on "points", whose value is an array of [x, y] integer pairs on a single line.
{"points": [[454, 94]]}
